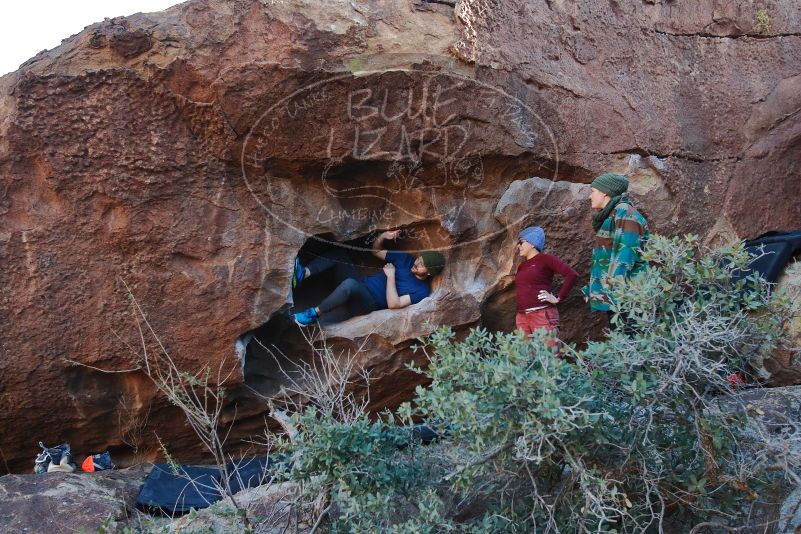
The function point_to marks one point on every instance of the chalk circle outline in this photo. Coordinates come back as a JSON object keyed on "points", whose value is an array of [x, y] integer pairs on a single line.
{"points": [[363, 73]]}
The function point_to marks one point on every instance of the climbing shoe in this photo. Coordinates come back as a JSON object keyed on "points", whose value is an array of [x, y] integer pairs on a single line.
{"points": [[299, 274], [51, 459], [306, 318]]}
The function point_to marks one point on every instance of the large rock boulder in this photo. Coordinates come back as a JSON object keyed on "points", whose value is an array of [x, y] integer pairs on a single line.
{"points": [[184, 158], [68, 502]]}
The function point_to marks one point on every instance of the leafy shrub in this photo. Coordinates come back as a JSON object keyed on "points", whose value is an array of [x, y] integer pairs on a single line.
{"points": [[611, 438], [762, 21]]}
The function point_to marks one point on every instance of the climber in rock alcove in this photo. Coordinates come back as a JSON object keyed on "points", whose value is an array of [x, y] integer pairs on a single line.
{"points": [[405, 280]]}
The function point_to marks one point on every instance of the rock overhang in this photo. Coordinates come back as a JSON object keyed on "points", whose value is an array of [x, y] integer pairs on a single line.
{"points": [[128, 166]]}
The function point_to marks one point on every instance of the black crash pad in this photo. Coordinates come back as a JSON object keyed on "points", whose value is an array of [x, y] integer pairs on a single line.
{"points": [[250, 472], [772, 252], [174, 492]]}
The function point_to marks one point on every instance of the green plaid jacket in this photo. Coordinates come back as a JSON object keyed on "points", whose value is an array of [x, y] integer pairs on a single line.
{"points": [[617, 252]]}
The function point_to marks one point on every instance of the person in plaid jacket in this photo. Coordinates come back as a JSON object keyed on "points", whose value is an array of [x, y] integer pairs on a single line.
{"points": [[620, 235]]}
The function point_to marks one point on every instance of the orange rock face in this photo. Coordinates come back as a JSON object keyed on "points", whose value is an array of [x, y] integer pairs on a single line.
{"points": [[192, 154]]}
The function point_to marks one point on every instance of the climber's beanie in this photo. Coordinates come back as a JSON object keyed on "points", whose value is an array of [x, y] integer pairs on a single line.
{"points": [[534, 235], [613, 185], [434, 262]]}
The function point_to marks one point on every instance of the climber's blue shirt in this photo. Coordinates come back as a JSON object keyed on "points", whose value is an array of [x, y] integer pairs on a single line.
{"points": [[405, 282]]}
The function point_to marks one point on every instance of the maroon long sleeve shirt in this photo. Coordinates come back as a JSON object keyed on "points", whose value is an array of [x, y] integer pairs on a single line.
{"points": [[537, 274]]}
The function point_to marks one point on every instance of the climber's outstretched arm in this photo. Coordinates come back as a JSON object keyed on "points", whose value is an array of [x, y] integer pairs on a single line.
{"points": [[378, 244]]}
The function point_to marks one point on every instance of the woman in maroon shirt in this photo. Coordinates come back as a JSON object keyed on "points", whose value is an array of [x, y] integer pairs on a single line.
{"points": [[534, 281]]}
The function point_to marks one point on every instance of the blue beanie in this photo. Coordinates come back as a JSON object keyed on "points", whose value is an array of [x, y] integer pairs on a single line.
{"points": [[534, 235]]}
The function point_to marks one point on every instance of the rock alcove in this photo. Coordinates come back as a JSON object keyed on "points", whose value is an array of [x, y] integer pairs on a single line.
{"points": [[273, 352]]}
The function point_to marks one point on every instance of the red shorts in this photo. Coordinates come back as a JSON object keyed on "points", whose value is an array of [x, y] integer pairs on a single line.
{"points": [[547, 318]]}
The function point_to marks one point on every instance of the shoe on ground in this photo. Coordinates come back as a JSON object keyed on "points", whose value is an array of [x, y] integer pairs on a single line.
{"points": [[65, 465], [51, 456], [306, 318], [299, 274]]}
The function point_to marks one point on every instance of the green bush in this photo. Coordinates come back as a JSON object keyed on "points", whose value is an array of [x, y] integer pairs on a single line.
{"points": [[762, 23], [605, 439]]}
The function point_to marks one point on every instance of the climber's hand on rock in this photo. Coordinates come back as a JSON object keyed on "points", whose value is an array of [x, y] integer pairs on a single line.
{"points": [[389, 270], [391, 234]]}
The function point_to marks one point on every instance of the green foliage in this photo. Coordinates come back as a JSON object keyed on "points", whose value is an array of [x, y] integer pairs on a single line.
{"points": [[596, 440], [692, 315], [763, 24], [369, 467], [357, 454], [175, 467]]}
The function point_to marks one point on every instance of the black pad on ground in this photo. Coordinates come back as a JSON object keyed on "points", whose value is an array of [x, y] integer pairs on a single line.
{"points": [[176, 492], [250, 472], [169, 492], [424, 433], [778, 248]]}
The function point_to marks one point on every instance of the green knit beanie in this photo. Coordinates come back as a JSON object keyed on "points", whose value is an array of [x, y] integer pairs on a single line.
{"points": [[434, 262], [612, 184]]}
